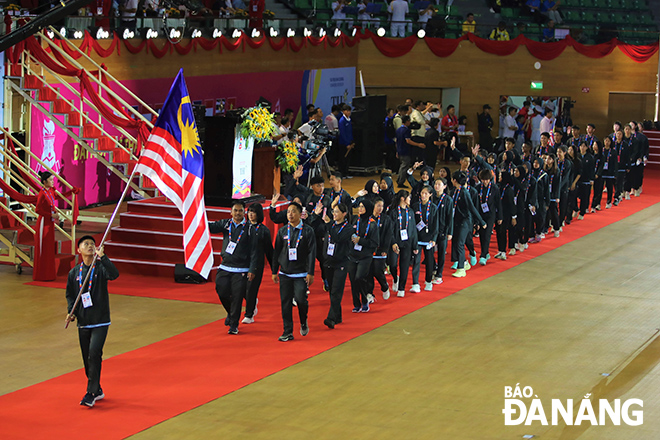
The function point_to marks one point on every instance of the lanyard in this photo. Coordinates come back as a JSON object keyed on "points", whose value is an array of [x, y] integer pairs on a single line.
{"points": [[51, 199], [401, 220], [357, 232], [428, 211], [442, 197], [239, 235], [589, 140], [291, 232], [503, 191], [343, 225], [378, 222], [481, 195], [458, 196], [91, 277], [561, 168], [609, 153]]}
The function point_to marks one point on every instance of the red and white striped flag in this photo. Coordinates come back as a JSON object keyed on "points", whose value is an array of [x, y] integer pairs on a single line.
{"points": [[172, 159]]}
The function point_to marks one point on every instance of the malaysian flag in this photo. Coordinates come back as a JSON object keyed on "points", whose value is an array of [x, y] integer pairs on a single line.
{"points": [[172, 159]]}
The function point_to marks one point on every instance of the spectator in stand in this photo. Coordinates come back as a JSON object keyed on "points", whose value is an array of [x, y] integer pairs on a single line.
{"points": [[128, 9], [256, 13], [419, 131], [469, 25], [364, 17], [527, 112], [432, 111], [485, 123], [499, 33], [425, 15], [520, 29], [398, 9], [549, 32], [550, 9], [535, 11], [338, 14], [449, 123], [537, 117], [462, 122]]}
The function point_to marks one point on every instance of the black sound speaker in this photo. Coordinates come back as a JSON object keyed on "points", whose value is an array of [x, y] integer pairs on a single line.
{"points": [[368, 132], [184, 275]]}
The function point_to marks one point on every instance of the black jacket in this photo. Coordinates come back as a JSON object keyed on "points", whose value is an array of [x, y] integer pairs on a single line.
{"points": [[509, 209], [490, 196], [598, 165], [407, 223], [277, 217], [369, 238], [464, 209], [428, 215], [306, 251], [99, 312], [623, 153], [554, 185], [565, 169], [385, 233], [588, 168], [610, 163], [542, 189], [525, 194], [245, 253], [445, 208], [340, 236], [344, 197]]}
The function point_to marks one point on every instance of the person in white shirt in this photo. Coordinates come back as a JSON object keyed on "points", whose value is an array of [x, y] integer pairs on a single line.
{"points": [[398, 9], [510, 125], [425, 15], [128, 9], [332, 120], [365, 18], [338, 14], [315, 117], [547, 122]]}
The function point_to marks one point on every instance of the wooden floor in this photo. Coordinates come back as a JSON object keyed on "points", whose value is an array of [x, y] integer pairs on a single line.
{"points": [[556, 323]]}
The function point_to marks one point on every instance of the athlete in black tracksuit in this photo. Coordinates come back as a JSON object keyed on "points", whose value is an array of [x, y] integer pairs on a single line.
{"points": [[264, 250], [239, 262], [336, 246], [92, 313], [465, 216], [509, 216], [405, 240], [489, 205], [610, 168], [426, 221], [293, 263], [365, 240], [526, 202], [586, 178], [385, 235], [445, 210], [543, 197], [565, 168]]}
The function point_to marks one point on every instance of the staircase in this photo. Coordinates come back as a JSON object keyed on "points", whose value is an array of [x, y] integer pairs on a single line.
{"points": [[17, 233], [654, 149]]}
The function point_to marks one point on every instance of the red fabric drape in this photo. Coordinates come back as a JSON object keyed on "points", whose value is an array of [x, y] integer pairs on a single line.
{"points": [[295, 46], [277, 45], [255, 44], [592, 51], [545, 51], [15, 195], [232, 46], [443, 47], [90, 43], [135, 49], [182, 49], [638, 54], [501, 48], [392, 47], [159, 53]]}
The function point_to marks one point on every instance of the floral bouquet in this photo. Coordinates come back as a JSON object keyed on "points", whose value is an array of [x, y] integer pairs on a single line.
{"points": [[258, 123], [287, 156], [240, 13]]}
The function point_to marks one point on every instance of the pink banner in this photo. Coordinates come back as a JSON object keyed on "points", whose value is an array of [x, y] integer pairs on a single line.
{"points": [[71, 161]]}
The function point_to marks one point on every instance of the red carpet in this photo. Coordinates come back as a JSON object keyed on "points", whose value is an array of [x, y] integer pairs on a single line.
{"points": [[157, 382]]}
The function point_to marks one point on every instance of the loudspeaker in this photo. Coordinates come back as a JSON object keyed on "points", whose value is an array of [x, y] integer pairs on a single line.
{"points": [[184, 275], [368, 130]]}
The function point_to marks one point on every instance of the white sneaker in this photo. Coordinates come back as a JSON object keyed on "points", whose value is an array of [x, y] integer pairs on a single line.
{"points": [[542, 235], [556, 234], [627, 195], [597, 207], [428, 287], [501, 256], [608, 206], [526, 246], [437, 280], [386, 294], [255, 308], [512, 251], [247, 320], [415, 288], [370, 298], [401, 293], [580, 217], [395, 286]]}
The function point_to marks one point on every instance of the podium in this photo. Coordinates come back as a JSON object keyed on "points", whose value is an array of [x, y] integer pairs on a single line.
{"points": [[219, 136]]}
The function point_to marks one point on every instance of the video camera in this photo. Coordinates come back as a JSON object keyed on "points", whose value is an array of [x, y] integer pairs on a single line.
{"points": [[320, 137]]}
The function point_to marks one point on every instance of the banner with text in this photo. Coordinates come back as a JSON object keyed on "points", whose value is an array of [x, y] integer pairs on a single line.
{"points": [[242, 167]]}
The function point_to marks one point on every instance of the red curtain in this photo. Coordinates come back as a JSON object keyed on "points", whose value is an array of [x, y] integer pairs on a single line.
{"points": [[638, 54], [392, 47], [592, 51], [443, 47], [501, 48], [545, 51]]}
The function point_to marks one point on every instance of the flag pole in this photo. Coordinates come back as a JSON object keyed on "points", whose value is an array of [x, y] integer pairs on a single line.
{"points": [[69, 317]]}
